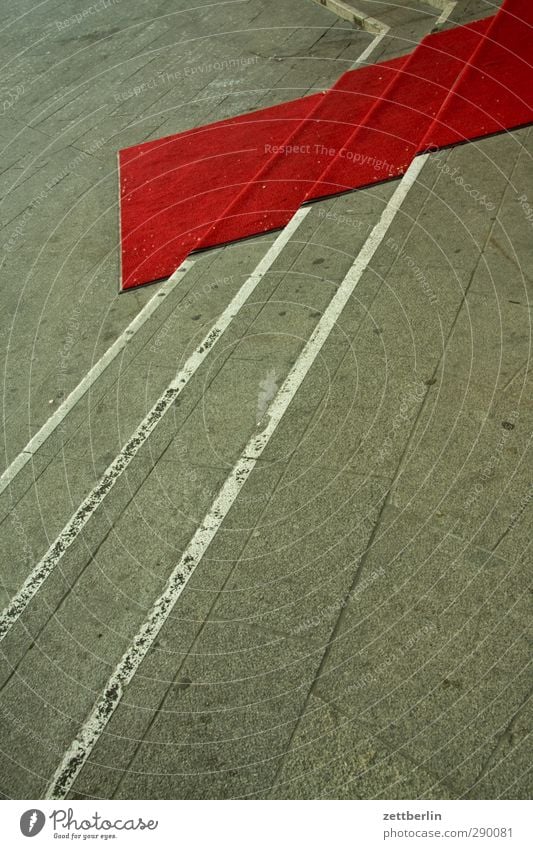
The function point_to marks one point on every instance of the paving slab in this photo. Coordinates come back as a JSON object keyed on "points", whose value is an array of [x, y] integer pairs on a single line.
{"points": [[83, 55], [450, 666], [333, 757]]}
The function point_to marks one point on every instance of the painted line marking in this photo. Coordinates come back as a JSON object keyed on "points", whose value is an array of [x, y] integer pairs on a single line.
{"points": [[93, 727], [371, 47], [20, 601], [447, 8], [77, 522], [105, 360]]}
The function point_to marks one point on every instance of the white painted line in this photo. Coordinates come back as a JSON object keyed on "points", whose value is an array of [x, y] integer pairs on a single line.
{"points": [[441, 5], [94, 725], [49, 426], [164, 290], [19, 602], [84, 512], [447, 8], [371, 47]]}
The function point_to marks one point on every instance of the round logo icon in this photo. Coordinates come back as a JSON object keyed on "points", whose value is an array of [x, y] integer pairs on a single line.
{"points": [[32, 822]]}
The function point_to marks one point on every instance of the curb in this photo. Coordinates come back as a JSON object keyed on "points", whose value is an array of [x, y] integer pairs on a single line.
{"points": [[348, 13]]}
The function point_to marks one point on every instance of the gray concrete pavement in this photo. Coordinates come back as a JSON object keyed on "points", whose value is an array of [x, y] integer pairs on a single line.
{"points": [[358, 626]]}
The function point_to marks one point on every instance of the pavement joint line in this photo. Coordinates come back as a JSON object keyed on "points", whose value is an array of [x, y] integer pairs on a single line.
{"points": [[435, 371], [499, 740], [26, 455], [90, 504], [93, 553], [368, 729], [423, 764], [448, 534], [134, 26], [418, 161], [92, 376], [94, 725]]}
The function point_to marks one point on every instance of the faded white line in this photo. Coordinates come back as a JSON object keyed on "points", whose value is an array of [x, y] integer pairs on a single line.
{"points": [[164, 290], [371, 47], [82, 388], [92, 729], [57, 549], [84, 512], [447, 8]]}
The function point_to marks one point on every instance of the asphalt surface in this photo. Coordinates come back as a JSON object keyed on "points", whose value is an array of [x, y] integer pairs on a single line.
{"points": [[358, 626]]}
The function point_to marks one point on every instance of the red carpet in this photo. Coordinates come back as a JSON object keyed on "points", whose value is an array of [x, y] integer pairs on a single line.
{"points": [[392, 132], [172, 189], [249, 174], [495, 89], [270, 200]]}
